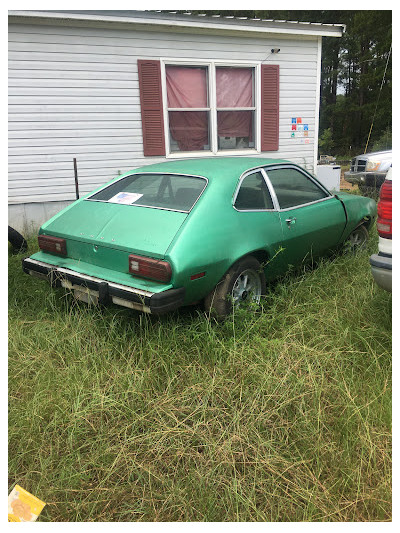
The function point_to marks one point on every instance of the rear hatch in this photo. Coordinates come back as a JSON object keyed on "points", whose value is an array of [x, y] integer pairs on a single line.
{"points": [[104, 234]]}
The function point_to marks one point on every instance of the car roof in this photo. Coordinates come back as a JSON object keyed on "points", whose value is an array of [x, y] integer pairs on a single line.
{"points": [[211, 168]]}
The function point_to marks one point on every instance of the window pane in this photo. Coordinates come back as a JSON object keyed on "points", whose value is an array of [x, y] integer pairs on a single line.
{"points": [[235, 130], [154, 190], [234, 87], [188, 131], [294, 188], [253, 193], [186, 86]]}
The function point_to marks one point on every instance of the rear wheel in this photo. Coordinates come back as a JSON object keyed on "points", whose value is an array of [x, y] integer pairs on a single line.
{"points": [[357, 240], [242, 286]]}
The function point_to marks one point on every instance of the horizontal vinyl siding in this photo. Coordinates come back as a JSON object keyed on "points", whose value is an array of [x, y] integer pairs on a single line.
{"points": [[73, 92]]}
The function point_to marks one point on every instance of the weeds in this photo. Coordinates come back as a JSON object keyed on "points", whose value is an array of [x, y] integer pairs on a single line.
{"points": [[281, 414]]}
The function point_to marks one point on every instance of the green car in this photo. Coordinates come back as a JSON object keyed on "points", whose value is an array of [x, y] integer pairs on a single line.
{"points": [[214, 230]]}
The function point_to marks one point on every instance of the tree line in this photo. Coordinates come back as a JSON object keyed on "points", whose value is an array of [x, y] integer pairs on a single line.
{"points": [[356, 78]]}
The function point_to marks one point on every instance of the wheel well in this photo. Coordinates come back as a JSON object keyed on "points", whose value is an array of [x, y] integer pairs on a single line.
{"points": [[366, 221], [262, 256]]}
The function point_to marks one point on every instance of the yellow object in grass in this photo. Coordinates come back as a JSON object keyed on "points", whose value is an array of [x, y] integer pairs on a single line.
{"points": [[23, 506]]}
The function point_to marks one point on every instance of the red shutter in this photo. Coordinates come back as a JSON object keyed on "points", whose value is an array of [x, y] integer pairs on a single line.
{"points": [[269, 108], [151, 106]]}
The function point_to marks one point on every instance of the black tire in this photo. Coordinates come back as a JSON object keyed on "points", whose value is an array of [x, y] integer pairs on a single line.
{"points": [[16, 240], [220, 300], [357, 240]]}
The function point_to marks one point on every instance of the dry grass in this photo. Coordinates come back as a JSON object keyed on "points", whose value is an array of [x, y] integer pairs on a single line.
{"points": [[277, 415]]}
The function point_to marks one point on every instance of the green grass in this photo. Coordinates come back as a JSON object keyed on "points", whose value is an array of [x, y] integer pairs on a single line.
{"points": [[278, 415]]}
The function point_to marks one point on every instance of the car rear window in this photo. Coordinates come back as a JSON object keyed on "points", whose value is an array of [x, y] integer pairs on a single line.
{"points": [[164, 191]]}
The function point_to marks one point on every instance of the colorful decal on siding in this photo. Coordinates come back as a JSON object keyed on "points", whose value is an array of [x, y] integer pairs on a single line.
{"points": [[299, 129]]}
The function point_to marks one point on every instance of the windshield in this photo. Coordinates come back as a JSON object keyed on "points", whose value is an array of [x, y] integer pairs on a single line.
{"points": [[164, 191]]}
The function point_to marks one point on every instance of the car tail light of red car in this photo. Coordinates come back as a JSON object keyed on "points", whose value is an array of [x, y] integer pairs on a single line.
{"points": [[384, 222], [145, 267], [54, 245]]}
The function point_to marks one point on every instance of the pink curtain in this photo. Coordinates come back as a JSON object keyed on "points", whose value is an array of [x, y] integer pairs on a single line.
{"points": [[234, 87], [187, 87], [235, 124], [189, 129]]}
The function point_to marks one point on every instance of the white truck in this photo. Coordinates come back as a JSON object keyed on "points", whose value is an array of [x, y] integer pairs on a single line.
{"points": [[369, 171]]}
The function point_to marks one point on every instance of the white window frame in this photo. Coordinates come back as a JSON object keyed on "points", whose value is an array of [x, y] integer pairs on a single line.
{"points": [[212, 106]]}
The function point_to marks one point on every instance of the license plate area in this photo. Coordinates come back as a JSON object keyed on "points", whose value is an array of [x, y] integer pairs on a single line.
{"points": [[91, 297], [82, 293]]}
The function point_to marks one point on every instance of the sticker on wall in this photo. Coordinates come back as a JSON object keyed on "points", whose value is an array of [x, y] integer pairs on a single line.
{"points": [[307, 141], [305, 133], [305, 127], [297, 125]]}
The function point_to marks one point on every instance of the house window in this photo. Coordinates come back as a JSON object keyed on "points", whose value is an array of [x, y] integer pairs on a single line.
{"points": [[210, 108], [235, 107], [188, 108]]}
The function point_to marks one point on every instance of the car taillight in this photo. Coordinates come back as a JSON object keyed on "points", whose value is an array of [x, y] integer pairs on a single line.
{"points": [[145, 267], [54, 245], [384, 222]]}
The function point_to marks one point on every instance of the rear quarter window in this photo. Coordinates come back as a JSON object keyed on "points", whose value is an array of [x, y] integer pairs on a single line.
{"points": [[164, 191], [253, 194]]}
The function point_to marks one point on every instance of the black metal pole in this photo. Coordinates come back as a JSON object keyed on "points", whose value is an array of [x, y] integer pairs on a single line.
{"points": [[76, 179]]}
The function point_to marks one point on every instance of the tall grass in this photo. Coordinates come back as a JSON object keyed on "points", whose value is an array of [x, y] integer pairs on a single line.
{"points": [[283, 414]]}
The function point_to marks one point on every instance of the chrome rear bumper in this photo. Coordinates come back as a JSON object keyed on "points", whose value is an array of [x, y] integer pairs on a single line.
{"points": [[99, 291]]}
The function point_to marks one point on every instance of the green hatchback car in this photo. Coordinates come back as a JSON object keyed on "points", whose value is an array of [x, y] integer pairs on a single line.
{"points": [[214, 230]]}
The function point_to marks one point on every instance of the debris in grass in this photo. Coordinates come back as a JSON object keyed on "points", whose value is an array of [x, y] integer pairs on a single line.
{"points": [[23, 506]]}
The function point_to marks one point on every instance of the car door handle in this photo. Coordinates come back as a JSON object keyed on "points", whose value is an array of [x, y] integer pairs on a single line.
{"points": [[290, 221]]}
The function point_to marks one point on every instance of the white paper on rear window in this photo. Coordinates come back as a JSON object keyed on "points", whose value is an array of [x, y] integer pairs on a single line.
{"points": [[127, 198]]}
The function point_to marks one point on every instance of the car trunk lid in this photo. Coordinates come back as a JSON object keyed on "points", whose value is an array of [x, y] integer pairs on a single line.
{"points": [[104, 234]]}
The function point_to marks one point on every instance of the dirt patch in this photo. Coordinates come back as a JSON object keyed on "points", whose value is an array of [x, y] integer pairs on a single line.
{"points": [[345, 185]]}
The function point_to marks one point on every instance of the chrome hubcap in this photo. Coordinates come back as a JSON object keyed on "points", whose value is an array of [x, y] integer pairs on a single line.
{"points": [[356, 240], [247, 288]]}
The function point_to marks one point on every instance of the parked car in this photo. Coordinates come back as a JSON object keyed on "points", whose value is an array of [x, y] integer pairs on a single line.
{"points": [[381, 263], [326, 159], [175, 233], [368, 171]]}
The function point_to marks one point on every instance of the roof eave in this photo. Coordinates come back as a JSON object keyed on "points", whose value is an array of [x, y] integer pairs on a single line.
{"points": [[220, 25]]}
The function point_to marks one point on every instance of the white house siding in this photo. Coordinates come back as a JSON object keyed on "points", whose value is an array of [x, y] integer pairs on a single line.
{"points": [[73, 92]]}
